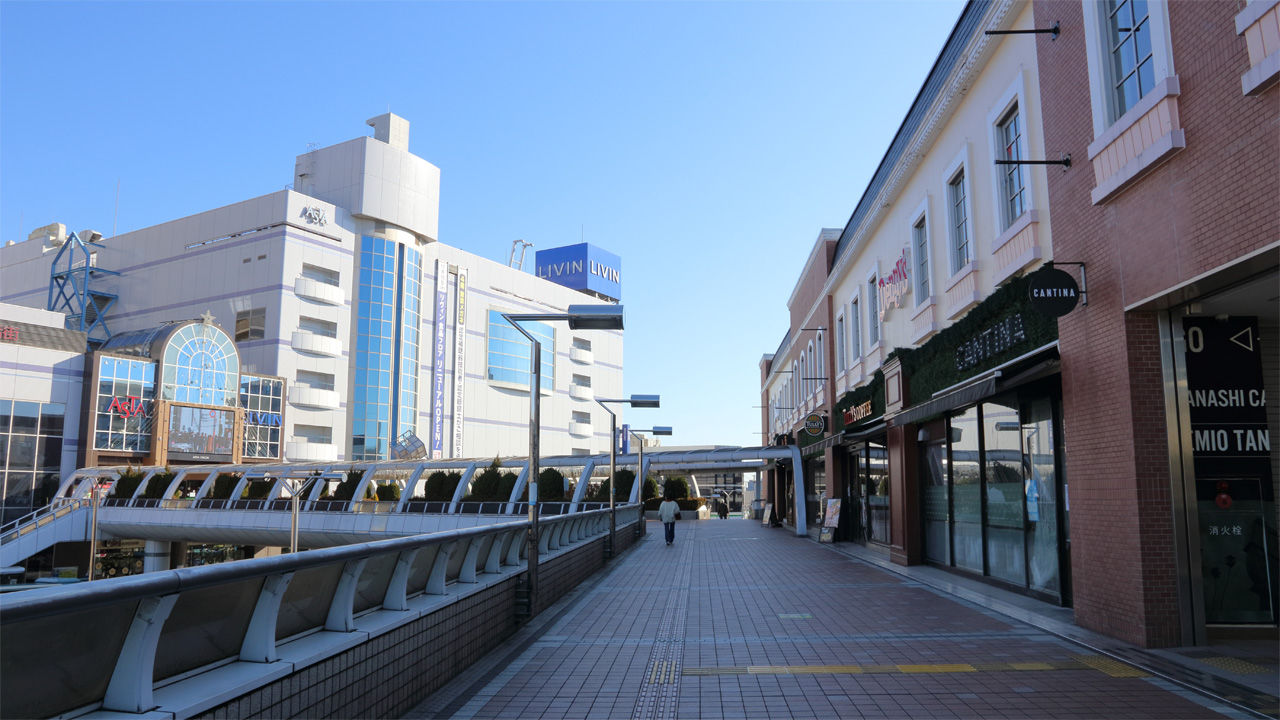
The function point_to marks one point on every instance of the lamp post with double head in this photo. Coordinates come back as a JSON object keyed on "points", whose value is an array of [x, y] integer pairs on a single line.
{"points": [[579, 317], [635, 401], [656, 430]]}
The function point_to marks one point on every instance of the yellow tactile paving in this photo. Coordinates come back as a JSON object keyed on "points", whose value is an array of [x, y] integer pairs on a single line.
{"points": [[1114, 668], [1234, 665], [1102, 664]]}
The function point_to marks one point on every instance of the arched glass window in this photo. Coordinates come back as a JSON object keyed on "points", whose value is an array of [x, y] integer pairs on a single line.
{"points": [[201, 367], [820, 363]]}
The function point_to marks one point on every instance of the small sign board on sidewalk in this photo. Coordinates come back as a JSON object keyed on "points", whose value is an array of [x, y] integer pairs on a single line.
{"points": [[768, 513]]}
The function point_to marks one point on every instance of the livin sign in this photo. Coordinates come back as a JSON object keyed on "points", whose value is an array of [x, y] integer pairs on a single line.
{"points": [[897, 284]]}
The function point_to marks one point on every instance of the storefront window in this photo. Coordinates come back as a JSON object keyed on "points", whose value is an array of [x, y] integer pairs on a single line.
{"points": [[937, 502], [126, 388], [1006, 552], [966, 490], [30, 455], [816, 473], [877, 491], [1042, 496]]}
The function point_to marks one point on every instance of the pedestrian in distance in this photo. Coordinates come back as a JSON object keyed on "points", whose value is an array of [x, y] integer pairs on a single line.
{"points": [[669, 512]]}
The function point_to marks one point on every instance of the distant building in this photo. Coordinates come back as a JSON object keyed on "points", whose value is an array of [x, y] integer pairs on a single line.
{"points": [[339, 292]]}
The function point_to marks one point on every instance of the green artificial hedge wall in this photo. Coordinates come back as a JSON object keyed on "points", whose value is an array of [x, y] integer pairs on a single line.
{"points": [[933, 366]]}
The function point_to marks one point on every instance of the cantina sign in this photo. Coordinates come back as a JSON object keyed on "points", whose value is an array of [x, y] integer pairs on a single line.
{"points": [[991, 342]]}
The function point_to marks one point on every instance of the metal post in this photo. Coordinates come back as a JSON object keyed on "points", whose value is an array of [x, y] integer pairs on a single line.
{"points": [[535, 423], [294, 509], [644, 529], [93, 529], [613, 471]]}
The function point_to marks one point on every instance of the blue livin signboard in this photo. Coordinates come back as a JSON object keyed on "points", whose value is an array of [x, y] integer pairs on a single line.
{"points": [[582, 267]]}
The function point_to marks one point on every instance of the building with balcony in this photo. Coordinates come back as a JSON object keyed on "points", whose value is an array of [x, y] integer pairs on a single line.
{"points": [[340, 288]]}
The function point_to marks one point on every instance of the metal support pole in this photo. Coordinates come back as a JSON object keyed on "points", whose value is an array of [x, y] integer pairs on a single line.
{"points": [[93, 529], [535, 423], [641, 479], [294, 510], [613, 471]]}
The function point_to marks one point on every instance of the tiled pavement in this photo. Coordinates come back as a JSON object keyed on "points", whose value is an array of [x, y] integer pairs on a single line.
{"points": [[740, 621]]}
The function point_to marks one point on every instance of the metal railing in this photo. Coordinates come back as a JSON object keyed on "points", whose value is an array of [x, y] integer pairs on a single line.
{"points": [[108, 644], [31, 522]]}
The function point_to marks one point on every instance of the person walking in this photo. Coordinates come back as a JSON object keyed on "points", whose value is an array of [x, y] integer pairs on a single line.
{"points": [[668, 511]]}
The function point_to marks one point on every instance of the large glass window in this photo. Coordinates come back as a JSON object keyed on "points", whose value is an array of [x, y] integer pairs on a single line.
{"points": [[855, 333], [937, 502], [1042, 496], [262, 398], [877, 492], [384, 399], [1132, 68], [966, 490], [840, 345], [1002, 440], [30, 455], [920, 249], [958, 212], [123, 412], [251, 324], [873, 312], [1013, 198], [508, 352], [201, 367]]}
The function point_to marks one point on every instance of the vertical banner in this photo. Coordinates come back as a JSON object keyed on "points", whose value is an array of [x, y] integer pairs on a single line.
{"points": [[459, 361], [1231, 448], [624, 442], [437, 343]]}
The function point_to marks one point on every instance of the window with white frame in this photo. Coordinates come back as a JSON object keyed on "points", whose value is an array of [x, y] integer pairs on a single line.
{"points": [[1129, 56], [804, 373], [958, 220], [840, 344], [920, 254], [1013, 201], [855, 331], [820, 365], [1132, 65], [873, 312]]}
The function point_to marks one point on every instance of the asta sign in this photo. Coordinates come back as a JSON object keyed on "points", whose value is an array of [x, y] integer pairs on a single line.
{"points": [[127, 407], [815, 424], [1053, 292]]}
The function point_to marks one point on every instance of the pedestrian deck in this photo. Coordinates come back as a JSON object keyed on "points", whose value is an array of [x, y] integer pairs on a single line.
{"points": [[740, 621]]}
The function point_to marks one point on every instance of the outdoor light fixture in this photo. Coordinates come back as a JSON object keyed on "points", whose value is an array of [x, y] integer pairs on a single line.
{"points": [[657, 430], [637, 401], [579, 317], [595, 317]]}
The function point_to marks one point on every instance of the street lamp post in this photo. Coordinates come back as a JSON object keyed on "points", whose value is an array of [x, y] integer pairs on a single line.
{"points": [[579, 317], [657, 430], [635, 401]]}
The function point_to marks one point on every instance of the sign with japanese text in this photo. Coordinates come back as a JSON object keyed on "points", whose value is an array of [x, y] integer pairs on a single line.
{"points": [[437, 343], [459, 360]]}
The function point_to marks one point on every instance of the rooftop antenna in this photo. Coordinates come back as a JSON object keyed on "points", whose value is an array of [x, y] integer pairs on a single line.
{"points": [[524, 247]]}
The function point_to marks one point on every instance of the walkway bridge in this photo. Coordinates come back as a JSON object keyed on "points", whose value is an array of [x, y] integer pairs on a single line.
{"points": [[163, 514]]}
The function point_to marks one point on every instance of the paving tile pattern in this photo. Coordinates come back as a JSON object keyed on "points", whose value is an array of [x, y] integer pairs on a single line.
{"points": [[739, 621]]}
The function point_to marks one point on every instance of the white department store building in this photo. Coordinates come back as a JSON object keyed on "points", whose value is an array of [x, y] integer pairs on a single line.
{"points": [[341, 288]]}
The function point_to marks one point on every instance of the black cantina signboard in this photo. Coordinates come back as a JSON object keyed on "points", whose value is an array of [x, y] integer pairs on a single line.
{"points": [[1053, 292]]}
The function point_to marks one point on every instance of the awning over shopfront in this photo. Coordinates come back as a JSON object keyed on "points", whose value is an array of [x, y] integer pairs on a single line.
{"points": [[959, 397]]}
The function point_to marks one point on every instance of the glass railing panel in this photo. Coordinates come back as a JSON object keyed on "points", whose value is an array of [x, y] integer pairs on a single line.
{"points": [[54, 664], [306, 603], [372, 586], [206, 626]]}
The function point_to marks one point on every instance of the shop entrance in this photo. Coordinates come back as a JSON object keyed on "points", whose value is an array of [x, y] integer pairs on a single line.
{"points": [[864, 515]]}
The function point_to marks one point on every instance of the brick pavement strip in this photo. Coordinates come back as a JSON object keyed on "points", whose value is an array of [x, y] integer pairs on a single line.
{"points": [[740, 621]]}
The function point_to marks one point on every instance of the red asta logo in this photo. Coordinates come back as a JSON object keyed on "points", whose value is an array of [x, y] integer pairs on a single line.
{"points": [[127, 407]]}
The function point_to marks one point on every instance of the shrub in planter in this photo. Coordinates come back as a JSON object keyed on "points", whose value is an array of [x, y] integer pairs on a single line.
{"points": [[677, 487], [440, 486], [389, 492], [346, 489], [223, 485], [492, 485], [692, 503], [127, 483], [650, 490], [550, 485], [257, 490], [158, 484]]}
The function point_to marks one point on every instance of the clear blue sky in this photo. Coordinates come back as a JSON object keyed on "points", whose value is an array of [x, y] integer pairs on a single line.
{"points": [[706, 143]]}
